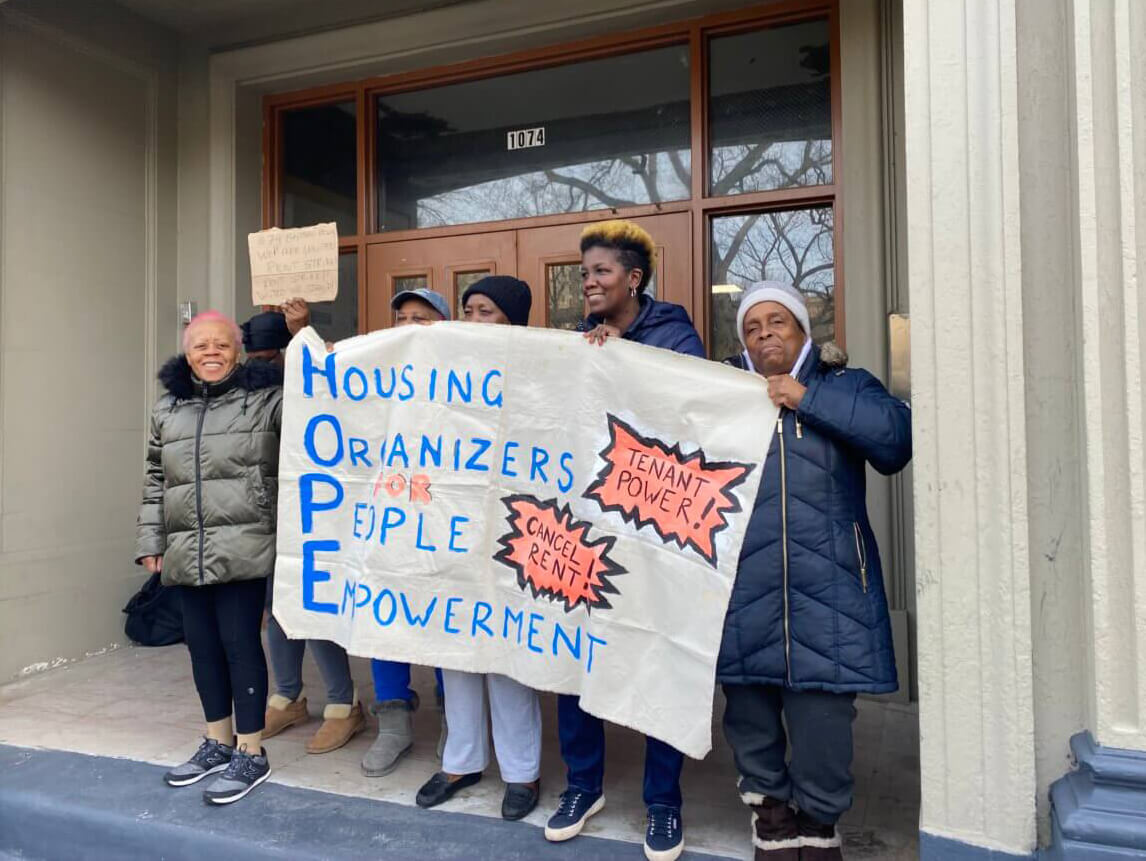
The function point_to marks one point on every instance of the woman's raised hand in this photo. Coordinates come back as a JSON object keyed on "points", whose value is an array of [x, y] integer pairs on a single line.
{"points": [[297, 313]]}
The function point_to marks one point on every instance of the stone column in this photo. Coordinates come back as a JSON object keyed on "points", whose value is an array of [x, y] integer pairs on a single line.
{"points": [[1101, 807], [968, 391]]}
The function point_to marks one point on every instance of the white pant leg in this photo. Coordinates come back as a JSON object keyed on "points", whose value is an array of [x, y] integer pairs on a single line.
{"points": [[467, 742], [516, 714]]}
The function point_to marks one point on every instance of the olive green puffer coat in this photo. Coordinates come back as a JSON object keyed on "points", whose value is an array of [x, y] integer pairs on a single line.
{"points": [[211, 488]]}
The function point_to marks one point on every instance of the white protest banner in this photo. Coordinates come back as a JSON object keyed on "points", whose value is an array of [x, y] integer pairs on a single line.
{"points": [[519, 501], [296, 263]]}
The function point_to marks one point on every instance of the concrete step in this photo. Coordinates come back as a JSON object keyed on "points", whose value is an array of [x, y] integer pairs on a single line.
{"points": [[55, 805]]}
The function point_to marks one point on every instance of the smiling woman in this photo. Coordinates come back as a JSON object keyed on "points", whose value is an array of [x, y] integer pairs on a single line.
{"points": [[211, 345], [207, 526]]}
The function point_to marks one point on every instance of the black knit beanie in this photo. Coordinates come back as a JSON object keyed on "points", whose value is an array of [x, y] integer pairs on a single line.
{"points": [[266, 331], [509, 294]]}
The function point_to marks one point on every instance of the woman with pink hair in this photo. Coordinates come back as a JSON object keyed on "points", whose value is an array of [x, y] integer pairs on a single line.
{"points": [[207, 526]]}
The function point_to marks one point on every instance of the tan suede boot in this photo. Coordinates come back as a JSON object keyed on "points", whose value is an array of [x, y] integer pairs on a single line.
{"points": [[340, 723], [283, 714]]}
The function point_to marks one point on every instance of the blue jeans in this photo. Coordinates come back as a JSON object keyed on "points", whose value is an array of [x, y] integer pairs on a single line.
{"points": [[286, 661], [583, 749], [392, 681]]}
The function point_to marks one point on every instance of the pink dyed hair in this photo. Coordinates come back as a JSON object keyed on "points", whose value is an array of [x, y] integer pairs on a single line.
{"points": [[212, 317]]}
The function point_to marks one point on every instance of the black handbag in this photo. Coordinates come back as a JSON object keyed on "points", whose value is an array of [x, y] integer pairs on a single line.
{"points": [[154, 615]]}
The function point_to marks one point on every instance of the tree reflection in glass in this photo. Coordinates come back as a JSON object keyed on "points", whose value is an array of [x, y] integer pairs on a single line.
{"points": [[795, 246]]}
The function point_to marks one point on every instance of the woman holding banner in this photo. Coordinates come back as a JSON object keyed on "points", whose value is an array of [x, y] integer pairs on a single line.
{"points": [[514, 709], [207, 523], [617, 260]]}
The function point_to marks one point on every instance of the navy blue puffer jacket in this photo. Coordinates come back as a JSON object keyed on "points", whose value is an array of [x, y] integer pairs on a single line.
{"points": [[658, 324], [808, 608]]}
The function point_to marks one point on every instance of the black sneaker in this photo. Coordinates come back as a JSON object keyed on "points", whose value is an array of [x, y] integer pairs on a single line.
{"points": [[519, 800], [211, 758], [576, 806], [664, 837], [243, 774]]}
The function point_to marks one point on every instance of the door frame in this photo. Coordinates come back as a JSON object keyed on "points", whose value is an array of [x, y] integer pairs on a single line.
{"points": [[695, 33]]}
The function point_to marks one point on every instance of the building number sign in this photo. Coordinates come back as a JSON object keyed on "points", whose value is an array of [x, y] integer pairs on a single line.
{"points": [[525, 138]]}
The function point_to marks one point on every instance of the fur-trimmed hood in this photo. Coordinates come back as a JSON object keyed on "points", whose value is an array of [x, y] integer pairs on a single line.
{"points": [[832, 355], [253, 375]]}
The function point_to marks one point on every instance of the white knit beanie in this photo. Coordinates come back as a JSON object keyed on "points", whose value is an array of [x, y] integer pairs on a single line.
{"points": [[773, 291]]}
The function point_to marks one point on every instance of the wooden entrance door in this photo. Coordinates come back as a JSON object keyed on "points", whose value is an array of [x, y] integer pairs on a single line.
{"points": [[447, 264], [547, 258]]}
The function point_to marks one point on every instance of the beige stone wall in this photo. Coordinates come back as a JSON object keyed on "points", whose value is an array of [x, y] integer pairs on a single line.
{"points": [[87, 271]]}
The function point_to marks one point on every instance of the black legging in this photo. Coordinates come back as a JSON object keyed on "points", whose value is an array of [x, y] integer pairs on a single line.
{"points": [[222, 626]]}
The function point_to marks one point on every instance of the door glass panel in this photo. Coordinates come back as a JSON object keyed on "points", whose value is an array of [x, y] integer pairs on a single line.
{"points": [[410, 282], [566, 301], [338, 318], [795, 246], [462, 281], [770, 111], [597, 134], [320, 164]]}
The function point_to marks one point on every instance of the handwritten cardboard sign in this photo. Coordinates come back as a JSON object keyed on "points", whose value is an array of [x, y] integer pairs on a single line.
{"points": [[296, 263], [497, 499]]}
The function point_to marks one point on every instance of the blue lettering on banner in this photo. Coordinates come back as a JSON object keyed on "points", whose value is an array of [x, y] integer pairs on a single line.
{"points": [[450, 602], [517, 617], [310, 369], [480, 618], [528, 629], [306, 502], [564, 484], [456, 532], [361, 386], [359, 507], [418, 542], [413, 618], [312, 575], [381, 388], [507, 459], [359, 451], [385, 593], [392, 518], [537, 462], [312, 427], [407, 383], [465, 393], [349, 590], [481, 446], [398, 449], [592, 642], [494, 401], [574, 646], [533, 632]]}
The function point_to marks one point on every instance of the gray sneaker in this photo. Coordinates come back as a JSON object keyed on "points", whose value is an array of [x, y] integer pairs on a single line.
{"points": [[210, 758], [243, 774], [395, 737]]}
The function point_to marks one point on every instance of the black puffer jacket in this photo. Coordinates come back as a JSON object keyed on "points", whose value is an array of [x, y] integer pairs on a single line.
{"points": [[211, 488]]}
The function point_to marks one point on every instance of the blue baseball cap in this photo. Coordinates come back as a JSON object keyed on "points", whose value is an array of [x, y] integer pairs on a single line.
{"points": [[431, 297]]}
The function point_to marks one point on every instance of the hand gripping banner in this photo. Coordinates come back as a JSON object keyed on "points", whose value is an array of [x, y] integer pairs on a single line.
{"points": [[518, 501]]}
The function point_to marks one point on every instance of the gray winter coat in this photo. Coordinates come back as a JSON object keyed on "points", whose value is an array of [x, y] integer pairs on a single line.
{"points": [[211, 488]]}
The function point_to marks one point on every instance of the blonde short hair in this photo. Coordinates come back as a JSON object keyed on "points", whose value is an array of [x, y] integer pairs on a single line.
{"points": [[635, 248]]}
